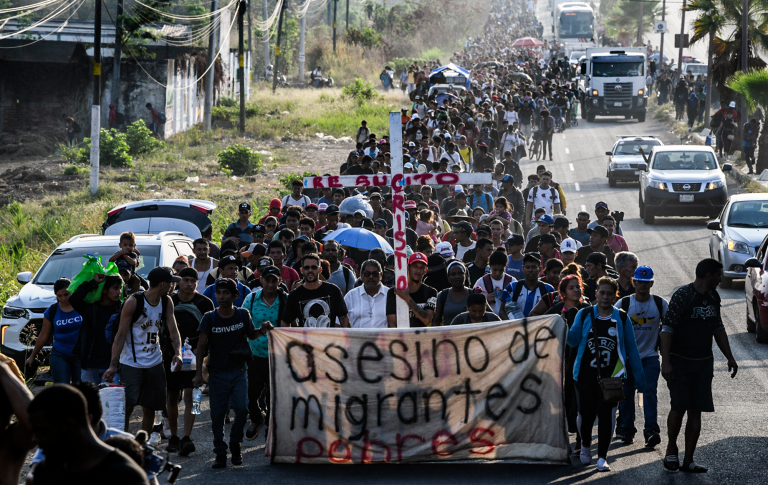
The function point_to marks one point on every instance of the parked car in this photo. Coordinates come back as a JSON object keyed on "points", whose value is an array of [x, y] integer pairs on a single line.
{"points": [[190, 216], [756, 291], [22, 315], [625, 162], [737, 234], [682, 180]]}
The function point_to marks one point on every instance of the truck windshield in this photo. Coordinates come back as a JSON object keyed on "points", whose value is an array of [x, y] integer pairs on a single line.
{"points": [[684, 161], [617, 69], [576, 24]]}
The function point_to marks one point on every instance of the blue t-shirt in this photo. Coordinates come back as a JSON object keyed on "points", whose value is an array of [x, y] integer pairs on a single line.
{"points": [[210, 292], [234, 230], [66, 328], [515, 268]]}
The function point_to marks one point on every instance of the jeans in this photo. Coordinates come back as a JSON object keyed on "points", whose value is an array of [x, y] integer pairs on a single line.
{"points": [[258, 383], [546, 140], [96, 376], [64, 368], [228, 388], [652, 369]]}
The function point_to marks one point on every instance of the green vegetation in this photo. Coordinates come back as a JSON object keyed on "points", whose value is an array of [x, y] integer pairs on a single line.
{"points": [[75, 170], [360, 91], [140, 140], [239, 160], [288, 179], [113, 150]]}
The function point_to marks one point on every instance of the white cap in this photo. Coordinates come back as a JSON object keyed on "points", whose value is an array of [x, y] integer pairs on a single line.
{"points": [[457, 189], [732, 104], [408, 165], [569, 245], [322, 207], [422, 168], [445, 249], [415, 116]]}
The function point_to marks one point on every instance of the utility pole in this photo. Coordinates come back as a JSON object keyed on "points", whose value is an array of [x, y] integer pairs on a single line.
{"points": [[277, 46], [266, 44], [118, 52], [250, 39], [241, 63], [682, 39], [661, 43], [347, 26], [302, 36], [96, 108], [335, 4], [744, 50], [209, 77], [640, 26]]}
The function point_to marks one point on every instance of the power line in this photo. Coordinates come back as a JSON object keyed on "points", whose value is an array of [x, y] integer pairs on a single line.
{"points": [[59, 29], [60, 9]]}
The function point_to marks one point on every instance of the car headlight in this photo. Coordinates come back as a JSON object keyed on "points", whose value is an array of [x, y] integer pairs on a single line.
{"points": [[14, 313], [620, 165], [656, 184], [639, 92], [594, 92], [738, 246], [715, 184]]}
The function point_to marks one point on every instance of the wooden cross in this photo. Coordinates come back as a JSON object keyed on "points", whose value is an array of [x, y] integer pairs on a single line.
{"points": [[397, 180]]}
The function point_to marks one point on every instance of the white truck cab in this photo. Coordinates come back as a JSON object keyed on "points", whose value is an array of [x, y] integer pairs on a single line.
{"points": [[612, 83]]}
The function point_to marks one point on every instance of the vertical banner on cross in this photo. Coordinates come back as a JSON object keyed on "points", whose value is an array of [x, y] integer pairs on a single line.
{"points": [[398, 214]]}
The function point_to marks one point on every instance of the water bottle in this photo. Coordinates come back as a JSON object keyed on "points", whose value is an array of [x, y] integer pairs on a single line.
{"points": [[158, 418], [197, 396], [188, 361], [514, 312], [154, 438]]}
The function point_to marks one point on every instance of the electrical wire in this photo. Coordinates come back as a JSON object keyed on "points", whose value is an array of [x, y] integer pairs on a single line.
{"points": [[187, 17], [26, 12], [192, 38], [33, 7], [61, 27], [59, 10]]}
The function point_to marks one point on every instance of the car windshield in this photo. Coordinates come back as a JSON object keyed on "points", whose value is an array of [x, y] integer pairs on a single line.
{"points": [[749, 213], [632, 147], [684, 161], [67, 262], [617, 69]]}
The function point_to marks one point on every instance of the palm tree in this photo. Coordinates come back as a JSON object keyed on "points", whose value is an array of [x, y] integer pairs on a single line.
{"points": [[753, 88], [707, 25]]}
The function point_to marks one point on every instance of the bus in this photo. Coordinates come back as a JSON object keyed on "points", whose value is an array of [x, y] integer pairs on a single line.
{"points": [[574, 23]]}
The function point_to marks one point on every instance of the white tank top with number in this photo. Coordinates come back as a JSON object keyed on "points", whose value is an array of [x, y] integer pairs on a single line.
{"points": [[144, 339]]}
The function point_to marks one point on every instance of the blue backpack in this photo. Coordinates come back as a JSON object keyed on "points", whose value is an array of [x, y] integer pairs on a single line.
{"points": [[693, 100]]}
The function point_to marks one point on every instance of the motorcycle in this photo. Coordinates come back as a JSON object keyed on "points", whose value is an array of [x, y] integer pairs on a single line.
{"points": [[323, 82]]}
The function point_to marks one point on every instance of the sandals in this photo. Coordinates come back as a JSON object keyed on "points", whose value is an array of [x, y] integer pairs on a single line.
{"points": [[693, 468], [672, 463]]}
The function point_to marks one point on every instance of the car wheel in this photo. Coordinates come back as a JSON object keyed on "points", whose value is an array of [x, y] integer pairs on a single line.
{"points": [[750, 322], [611, 181], [761, 334], [642, 207], [627, 117], [648, 217], [725, 282], [641, 117]]}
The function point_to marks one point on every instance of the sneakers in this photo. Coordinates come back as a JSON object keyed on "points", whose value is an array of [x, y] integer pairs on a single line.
{"points": [[602, 465], [221, 461], [628, 438], [586, 454], [652, 440], [253, 430], [619, 432], [186, 446], [173, 445], [237, 455]]}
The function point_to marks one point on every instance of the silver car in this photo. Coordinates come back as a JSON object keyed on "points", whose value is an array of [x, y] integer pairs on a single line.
{"points": [[737, 233], [625, 162]]}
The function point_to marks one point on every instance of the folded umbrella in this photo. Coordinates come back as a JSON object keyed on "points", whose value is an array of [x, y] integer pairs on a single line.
{"points": [[357, 237]]}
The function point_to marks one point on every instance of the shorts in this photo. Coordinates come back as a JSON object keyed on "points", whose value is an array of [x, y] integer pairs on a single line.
{"points": [[691, 387], [145, 387], [177, 381]]}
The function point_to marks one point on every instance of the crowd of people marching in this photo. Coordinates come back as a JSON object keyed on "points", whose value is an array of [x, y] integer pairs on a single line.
{"points": [[482, 253]]}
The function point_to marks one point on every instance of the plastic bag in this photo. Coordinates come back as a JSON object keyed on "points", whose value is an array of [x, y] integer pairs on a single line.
{"points": [[113, 406], [350, 205], [188, 360], [91, 267]]}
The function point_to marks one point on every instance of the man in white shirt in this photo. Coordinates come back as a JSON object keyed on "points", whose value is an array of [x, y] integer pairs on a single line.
{"points": [[296, 197], [367, 304], [542, 196]]}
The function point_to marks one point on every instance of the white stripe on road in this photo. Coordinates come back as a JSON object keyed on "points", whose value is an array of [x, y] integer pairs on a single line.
{"points": [[563, 136], [567, 151], [583, 208], [578, 189], [570, 165]]}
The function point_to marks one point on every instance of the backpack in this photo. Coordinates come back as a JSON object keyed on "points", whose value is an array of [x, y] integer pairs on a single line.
{"points": [[304, 199], [693, 101], [551, 189], [161, 117], [77, 127], [519, 289], [488, 200], [659, 307], [717, 118], [488, 282], [119, 118], [138, 311]]}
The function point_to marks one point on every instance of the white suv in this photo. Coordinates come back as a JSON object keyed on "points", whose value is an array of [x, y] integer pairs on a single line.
{"points": [[682, 180], [22, 316]]}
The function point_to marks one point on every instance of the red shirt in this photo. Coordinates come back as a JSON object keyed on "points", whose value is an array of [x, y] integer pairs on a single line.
{"points": [[289, 275]]}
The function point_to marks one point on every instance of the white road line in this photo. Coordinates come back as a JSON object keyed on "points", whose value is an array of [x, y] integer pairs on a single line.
{"points": [[563, 136], [578, 189], [583, 208], [567, 151], [570, 165]]}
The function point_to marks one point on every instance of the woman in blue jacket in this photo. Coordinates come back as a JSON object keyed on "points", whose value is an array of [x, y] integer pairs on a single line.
{"points": [[605, 342]]}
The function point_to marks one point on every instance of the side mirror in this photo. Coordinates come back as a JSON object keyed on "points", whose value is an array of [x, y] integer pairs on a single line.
{"points": [[642, 166], [727, 167], [609, 153], [714, 226], [753, 263], [24, 277]]}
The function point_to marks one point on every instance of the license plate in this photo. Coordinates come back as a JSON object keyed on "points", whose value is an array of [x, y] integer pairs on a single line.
{"points": [[686, 198], [637, 172], [617, 103]]}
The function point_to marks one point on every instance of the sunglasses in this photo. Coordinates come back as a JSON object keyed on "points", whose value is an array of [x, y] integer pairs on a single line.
{"points": [[370, 274], [310, 268], [259, 236]]}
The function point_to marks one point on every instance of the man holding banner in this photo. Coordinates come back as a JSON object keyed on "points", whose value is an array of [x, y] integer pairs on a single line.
{"points": [[420, 298]]}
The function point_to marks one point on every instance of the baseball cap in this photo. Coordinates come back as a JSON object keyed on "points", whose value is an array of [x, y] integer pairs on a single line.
{"points": [[409, 204], [322, 207], [162, 274], [189, 273], [228, 247], [226, 260], [445, 249], [374, 194], [464, 226], [602, 204], [228, 284], [404, 109], [408, 165], [508, 178], [562, 222], [311, 206], [458, 188], [380, 222], [258, 228], [411, 144], [245, 206], [516, 240], [366, 223], [415, 116], [568, 245], [263, 262], [732, 104], [332, 209], [417, 258], [600, 230], [547, 219], [643, 273], [597, 258], [547, 239], [361, 212], [483, 228], [270, 270]]}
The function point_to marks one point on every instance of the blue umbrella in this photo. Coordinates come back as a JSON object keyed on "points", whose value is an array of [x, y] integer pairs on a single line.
{"points": [[357, 237], [656, 57]]}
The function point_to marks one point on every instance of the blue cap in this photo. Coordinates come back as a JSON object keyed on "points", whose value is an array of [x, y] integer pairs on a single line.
{"points": [[547, 219], [381, 222], [508, 178], [644, 273]]}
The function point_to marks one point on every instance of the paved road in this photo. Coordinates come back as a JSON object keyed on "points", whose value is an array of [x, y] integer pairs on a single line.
{"points": [[733, 443]]}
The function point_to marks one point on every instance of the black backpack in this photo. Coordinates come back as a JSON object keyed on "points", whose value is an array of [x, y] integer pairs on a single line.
{"points": [[77, 127], [717, 118], [119, 118]]}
